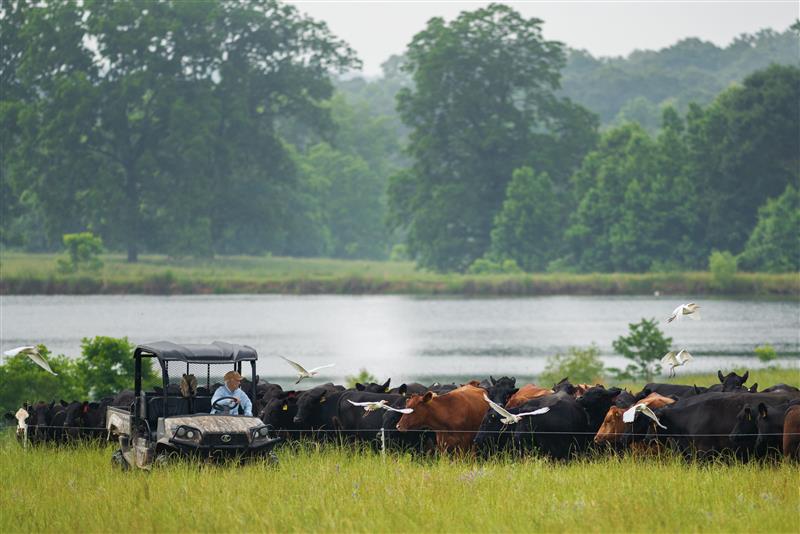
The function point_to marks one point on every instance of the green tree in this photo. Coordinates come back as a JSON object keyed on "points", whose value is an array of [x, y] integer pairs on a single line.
{"points": [[24, 381], [482, 102], [528, 227], [644, 345], [106, 366], [582, 366], [774, 243], [83, 252], [723, 267], [744, 151], [169, 114]]}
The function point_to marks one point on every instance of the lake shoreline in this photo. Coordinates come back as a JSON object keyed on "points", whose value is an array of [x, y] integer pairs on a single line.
{"points": [[37, 274], [699, 284]]}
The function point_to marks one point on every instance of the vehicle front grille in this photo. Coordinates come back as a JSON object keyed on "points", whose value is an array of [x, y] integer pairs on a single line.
{"points": [[216, 439]]}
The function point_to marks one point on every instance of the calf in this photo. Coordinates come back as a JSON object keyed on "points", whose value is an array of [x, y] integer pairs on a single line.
{"points": [[759, 431], [455, 417], [502, 389], [353, 422]]}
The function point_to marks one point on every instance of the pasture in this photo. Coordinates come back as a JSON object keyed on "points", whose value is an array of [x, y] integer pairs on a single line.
{"points": [[24, 273], [316, 489]]}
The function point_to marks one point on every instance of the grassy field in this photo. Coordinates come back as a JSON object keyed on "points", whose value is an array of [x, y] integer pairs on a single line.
{"points": [[334, 489], [37, 274], [328, 488]]}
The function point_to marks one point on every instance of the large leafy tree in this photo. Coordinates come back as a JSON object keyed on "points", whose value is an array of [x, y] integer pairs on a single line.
{"points": [[774, 244], [527, 229], [145, 120], [482, 105], [744, 151]]}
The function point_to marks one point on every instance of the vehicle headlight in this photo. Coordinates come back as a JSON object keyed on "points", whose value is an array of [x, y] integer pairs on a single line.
{"points": [[260, 432], [187, 433]]}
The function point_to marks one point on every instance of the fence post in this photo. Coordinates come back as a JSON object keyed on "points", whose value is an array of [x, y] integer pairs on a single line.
{"points": [[383, 444], [25, 437]]}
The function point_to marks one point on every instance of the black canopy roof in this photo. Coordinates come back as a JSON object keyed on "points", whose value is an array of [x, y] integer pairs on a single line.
{"points": [[216, 352]]}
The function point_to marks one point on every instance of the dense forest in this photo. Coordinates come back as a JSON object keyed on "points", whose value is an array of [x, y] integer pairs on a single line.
{"points": [[205, 128]]}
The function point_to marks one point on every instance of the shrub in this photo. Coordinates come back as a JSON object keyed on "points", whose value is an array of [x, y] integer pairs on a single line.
{"points": [[644, 345], [106, 366], [723, 268], [766, 353], [363, 376], [83, 251], [580, 365], [399, 253]]}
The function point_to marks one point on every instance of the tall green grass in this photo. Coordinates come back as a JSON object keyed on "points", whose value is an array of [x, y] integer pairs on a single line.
{"points": [[22, 273], [336, 489]]}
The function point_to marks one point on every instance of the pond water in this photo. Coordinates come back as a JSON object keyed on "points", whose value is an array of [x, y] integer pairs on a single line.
{"points": [[405, 338]]}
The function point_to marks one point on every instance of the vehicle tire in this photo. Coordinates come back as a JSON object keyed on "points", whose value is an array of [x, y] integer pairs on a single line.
{"points": [[118, 460]]}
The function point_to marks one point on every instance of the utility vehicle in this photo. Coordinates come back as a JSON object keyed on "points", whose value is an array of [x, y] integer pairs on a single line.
{"points": [[176, 419]]}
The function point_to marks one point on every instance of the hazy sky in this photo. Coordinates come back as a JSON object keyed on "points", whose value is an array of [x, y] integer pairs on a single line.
{"points": [[377, 28]]}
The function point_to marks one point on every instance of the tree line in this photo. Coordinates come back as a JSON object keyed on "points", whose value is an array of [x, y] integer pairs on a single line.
{"points": [[202, 128]]}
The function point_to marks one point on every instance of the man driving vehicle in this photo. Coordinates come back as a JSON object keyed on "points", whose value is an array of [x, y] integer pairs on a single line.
{"points": [[231, 389]]}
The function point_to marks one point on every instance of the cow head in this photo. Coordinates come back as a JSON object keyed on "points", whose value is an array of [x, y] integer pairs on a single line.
{"points": [[420, 417], [596, 402], [279, 411], [309, 404], [612, 428], [373, 387], [745, 430], [565, 386], [501, 389], [732, 381]]}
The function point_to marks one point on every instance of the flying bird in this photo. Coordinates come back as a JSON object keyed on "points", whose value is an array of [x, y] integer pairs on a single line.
{"points": [[630, 414], [512, 418], [302, 373], [32, 353], [673, 360], [379, 405], [685, 309]]}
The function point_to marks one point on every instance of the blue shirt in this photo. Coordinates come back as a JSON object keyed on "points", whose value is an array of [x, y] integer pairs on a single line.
{"points": [[244, 400]]}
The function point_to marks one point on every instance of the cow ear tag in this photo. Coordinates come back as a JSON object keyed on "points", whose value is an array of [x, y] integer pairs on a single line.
{"points": [[322, 400], [386, 390], [285, 407]]}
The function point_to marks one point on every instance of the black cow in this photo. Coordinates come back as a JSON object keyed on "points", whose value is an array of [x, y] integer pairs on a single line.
{"points": [[625, 399], [701, 425], [124, 399], [314, 411], [414, 388], [353, 422], [760, 430], [670, 390], [501, 389], [372, 387], [730, 382], [779, 387], [559, 433], [441, 389], [279, 411]]}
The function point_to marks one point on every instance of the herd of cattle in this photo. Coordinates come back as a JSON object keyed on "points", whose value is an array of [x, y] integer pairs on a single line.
{"points": [[494, 415]]}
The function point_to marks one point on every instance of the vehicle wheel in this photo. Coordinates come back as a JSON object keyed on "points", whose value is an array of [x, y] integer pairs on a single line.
{"points": [[118, 460]]}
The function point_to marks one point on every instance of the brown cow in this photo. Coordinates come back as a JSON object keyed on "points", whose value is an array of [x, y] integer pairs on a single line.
{"points": [[791, 432], [460, 412], [526, 393], [613, 427]]}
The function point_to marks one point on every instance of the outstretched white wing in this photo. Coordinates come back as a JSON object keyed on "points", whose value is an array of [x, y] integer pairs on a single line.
{"points": [[33, 354], [315, 369], [401, 410], [630, 414], [684, 356], [375, 404], [669, 359], [14, 352], [694, 315], [300, 369], [540, 411], [499, 409]]}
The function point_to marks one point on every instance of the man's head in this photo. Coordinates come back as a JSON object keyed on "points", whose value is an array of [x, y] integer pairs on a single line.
{"points": [[232, 380]]}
